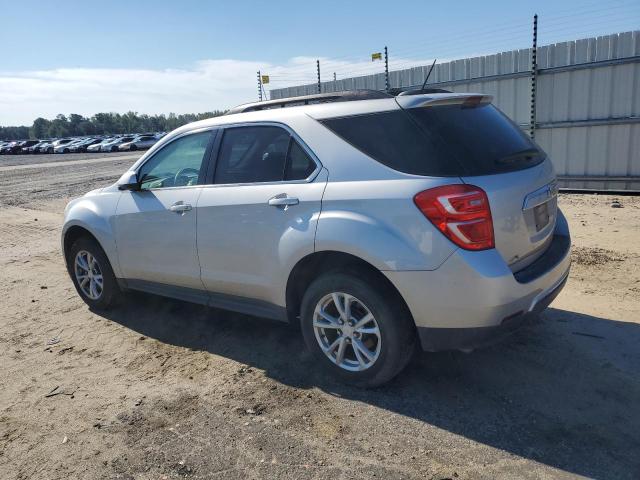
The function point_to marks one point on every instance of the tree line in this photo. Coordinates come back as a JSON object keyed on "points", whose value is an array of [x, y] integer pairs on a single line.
{"points": [[101, 124]]}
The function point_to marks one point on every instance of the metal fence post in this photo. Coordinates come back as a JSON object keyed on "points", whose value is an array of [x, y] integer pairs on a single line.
{"points": [[319, 84], [259, 86], [386, 69], [534, 75]]}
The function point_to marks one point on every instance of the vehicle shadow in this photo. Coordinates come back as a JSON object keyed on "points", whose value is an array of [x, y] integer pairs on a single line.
{"points": [[563, 392]]}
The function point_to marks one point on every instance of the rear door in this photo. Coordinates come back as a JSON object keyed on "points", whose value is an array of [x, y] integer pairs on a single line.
{"points": [[493, 153], [260, 213]]}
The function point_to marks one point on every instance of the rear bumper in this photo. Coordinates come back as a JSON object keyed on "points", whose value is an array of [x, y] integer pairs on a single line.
{"points": [[437, 339], [474, 299]]}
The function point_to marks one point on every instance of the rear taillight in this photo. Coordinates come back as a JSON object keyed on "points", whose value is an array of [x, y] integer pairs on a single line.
{"points": [[461, 212]]}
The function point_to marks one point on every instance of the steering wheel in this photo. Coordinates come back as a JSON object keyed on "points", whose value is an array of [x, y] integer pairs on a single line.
{"points": [[187, 173]]}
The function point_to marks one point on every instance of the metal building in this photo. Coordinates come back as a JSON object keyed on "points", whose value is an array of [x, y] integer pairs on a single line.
{"points": [[587, 102]]}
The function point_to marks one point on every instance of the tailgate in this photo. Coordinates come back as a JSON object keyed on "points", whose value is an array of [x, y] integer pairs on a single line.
{"points": [[493, 153], [524, 209]]}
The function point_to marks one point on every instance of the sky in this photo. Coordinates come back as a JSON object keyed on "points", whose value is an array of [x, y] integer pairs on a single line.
{"points": [[188, 56]]}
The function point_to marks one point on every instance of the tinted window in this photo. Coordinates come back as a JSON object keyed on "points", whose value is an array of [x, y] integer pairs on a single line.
{"points": [[440, 141], [252, 154], [483, 139], [299, 164], [394, 140], [177, 164]]}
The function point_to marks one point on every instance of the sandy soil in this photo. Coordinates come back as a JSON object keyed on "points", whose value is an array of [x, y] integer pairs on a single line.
{"points": [[163, 389]]}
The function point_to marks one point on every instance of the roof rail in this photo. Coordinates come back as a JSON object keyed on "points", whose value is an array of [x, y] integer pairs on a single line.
{"points": [[346, 96]]}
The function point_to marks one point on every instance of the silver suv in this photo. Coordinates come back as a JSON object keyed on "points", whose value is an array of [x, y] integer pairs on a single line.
{"points": [[374, 222]]}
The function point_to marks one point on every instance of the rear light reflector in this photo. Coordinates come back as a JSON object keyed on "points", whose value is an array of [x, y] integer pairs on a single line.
{"points": [[461, 212]]}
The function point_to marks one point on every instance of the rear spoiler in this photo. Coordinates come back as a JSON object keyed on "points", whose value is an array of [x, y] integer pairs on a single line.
{"points": [[436, 100]]}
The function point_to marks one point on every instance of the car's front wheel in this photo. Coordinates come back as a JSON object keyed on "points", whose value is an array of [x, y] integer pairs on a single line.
{"points": [[356, 328], [92, 274]]}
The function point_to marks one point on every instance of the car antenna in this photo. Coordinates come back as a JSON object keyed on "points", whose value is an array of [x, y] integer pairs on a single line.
{"points": [[429, 74]]}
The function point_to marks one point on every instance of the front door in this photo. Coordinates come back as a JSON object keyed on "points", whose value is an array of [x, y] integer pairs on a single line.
{"points": [[156, 226]]}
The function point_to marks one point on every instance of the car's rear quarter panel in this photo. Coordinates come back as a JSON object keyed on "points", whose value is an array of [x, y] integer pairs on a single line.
{"points": [[378, 222]]}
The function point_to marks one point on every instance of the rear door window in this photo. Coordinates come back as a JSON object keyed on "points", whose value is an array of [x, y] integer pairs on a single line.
{"points": [[252, 154], [261, 154]]}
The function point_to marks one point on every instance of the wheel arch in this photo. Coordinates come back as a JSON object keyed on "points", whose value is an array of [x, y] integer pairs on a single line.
{"points": [[310, 267], [85, 217], [72, 234]]}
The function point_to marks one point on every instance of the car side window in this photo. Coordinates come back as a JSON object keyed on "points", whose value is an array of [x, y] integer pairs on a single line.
{"points": [[299, 163], [252, 154], [177, 164], [261, 154]]}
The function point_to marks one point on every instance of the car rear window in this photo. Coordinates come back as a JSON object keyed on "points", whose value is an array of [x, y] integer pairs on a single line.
{"points": [[446, 140]]}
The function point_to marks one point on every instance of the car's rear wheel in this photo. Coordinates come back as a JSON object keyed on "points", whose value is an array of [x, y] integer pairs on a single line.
{"points": [[356, 328], [133, 148], [92, 274]]}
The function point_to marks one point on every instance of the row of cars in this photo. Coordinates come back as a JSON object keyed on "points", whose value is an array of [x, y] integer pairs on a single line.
{"points": [[116, 143]]}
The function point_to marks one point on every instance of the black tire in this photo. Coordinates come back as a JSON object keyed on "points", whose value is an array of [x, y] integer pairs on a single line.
{"points": [[66, 150], [50, 150], [397, 330], [133, 148], [111, 293]]}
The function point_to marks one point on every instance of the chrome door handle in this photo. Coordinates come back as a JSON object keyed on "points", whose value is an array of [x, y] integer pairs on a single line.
{"points": [[283, 201], [180, 207]]}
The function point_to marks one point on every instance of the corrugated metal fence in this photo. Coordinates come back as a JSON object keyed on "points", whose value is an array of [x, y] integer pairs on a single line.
{"points": [[587, 107]]}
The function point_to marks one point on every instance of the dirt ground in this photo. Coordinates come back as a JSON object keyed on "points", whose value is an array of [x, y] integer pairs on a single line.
{"points": [[163, 389]]}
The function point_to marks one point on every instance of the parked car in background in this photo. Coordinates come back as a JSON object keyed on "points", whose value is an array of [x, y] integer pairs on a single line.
{"points": [[141, 142], [4, 145], [57, 143], [113, 145], [15, 147], [375, 223], [81, 147], [34, 148], [84, 144], [65, 147], [97, 147], [46, 147], [25, 145]]}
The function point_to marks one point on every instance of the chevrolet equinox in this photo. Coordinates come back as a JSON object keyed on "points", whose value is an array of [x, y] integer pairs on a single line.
{"points": [[375, 222]]}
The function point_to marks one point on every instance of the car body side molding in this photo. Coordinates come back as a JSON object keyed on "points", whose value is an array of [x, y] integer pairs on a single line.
{"points": [[248, 306]]}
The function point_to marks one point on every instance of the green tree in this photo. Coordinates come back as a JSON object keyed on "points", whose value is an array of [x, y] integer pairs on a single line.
{"points": [[74, 122], [40, 128]]}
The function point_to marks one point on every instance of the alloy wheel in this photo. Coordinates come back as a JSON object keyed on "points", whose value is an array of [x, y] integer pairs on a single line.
{"points": [[347, 331], [88, 274]]}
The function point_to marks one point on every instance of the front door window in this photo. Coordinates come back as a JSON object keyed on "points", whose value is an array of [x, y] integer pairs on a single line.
{"points": [[178, 164]]}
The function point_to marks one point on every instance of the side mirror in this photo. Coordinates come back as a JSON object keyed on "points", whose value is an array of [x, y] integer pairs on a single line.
{"points": [[129, 181]]}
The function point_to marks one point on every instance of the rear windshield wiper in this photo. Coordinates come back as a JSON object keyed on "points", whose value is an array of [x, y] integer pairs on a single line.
{"points": [[528, 154]]}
